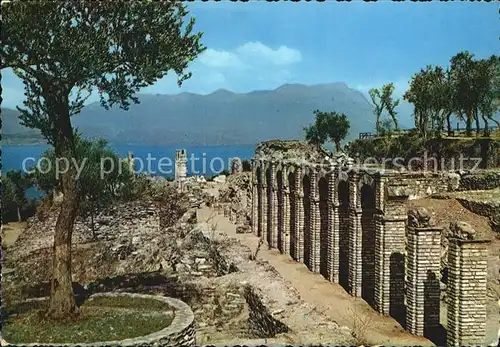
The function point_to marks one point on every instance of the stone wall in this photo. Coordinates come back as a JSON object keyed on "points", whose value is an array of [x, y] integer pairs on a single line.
{"points": [[421, 185], [181, 332], [482, 180], [487, 207], [466, 291], [260, 320]]}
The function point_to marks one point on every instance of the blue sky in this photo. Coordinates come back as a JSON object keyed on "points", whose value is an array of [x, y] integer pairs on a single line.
{"points": [[260, 45]]}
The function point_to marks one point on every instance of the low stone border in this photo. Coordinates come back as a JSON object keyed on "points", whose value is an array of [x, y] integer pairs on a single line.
{"points": [[180, 332]]}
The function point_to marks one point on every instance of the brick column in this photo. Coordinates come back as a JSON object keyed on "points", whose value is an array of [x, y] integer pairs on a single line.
{"points": [[272, 204], [422, 286], [299, 196], [263, 226], [281, 216], [254, 199], [389, 259], [355, 238], [466, 291], [314, 226], [333, 230], [286, 221]]}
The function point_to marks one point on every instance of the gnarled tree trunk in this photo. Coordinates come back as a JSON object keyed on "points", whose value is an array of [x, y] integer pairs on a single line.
{"points": [[62, 304]]}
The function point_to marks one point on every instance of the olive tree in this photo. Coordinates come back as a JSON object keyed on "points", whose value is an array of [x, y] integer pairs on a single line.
{"points": [[65, 50]]}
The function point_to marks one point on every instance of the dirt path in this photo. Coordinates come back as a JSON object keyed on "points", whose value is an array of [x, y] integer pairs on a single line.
{"points": [[324, 296]]}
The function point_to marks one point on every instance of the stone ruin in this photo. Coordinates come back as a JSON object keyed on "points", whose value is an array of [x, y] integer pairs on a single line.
{"points": [[351, 225], [235, 166], [180, 167]]}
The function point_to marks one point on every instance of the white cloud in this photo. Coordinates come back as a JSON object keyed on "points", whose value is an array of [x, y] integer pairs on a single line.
{"points": [[280, 56], [220, 59], [250, 55]]}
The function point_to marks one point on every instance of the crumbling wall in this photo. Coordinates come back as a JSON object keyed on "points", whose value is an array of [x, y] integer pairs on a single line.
{"points": [[260, 319], [484, 207], [236, 196], [482, 180], [421, 185]]}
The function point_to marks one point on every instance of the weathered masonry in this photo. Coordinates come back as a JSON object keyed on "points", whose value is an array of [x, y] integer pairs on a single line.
{"points": [[180, 166], [349, 224]]}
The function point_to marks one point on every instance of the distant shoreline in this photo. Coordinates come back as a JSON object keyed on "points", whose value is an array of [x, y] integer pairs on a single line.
{"points": [[2, 143]]}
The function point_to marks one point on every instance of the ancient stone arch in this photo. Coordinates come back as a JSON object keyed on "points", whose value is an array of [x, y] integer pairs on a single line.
{"points": [[352, 229]]}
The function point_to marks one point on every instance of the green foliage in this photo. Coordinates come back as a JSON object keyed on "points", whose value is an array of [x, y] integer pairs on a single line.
{"points": [[468, 89], [64, 50], [328, 125], [15, 205], [382, 99], [101, 180], [402, 146]]}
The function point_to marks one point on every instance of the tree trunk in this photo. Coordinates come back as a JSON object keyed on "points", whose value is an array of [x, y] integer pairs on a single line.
{"points": [[478, 124], [486, 126], [448, 124], [337, 146], [468, 124], [62, 304], [377, 124], [19, 219]]}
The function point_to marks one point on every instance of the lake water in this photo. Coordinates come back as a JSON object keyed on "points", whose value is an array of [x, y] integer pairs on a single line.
{"points": [[153, 160]]}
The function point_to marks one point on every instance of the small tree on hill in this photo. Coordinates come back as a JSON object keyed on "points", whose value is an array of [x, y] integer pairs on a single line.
{"points": [[328, 125], [382, 99], [64, 50]]}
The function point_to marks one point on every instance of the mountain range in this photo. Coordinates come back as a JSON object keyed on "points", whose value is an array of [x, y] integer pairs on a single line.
{"points": [[222, 117]]}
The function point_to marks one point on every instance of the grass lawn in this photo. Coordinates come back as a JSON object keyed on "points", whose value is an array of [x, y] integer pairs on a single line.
{"points": [[102, 319]]}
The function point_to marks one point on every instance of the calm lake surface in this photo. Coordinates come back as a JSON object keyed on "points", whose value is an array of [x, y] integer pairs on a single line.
{"points": [[153, 160]]}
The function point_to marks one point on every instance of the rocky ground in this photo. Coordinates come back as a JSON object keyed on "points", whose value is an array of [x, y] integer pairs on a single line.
{"points": [[136, 247], [180, 247]]}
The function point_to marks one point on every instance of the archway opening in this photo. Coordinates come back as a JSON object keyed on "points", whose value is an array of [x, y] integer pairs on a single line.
{"points": [[324, 226], [306, 187], [281, 211], [343, 198], [368, 243], [294, 237], [260, 208]]}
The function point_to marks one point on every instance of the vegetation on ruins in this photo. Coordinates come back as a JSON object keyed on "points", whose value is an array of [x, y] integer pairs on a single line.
{"points": [[63, 51], [331, 126], [99, 185], [382, 100], [468, 90]]}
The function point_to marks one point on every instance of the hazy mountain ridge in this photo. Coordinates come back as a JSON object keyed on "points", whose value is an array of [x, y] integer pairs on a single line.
{"points": [[222, 117]]}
